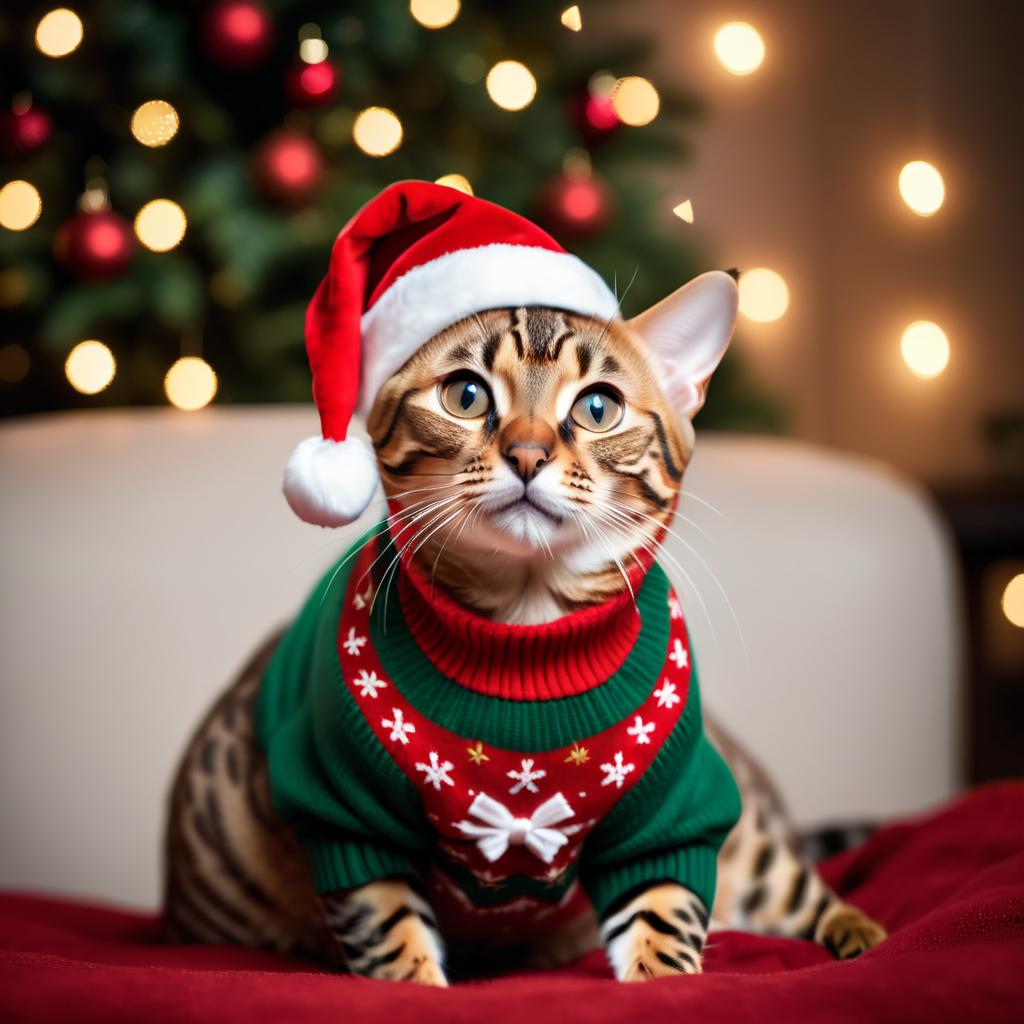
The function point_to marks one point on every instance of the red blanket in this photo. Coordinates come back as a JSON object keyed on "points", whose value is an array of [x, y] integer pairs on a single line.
{"points": [[950, 888]]}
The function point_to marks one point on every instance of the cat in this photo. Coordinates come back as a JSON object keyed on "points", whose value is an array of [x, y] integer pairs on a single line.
{"points": [[533, 461]]}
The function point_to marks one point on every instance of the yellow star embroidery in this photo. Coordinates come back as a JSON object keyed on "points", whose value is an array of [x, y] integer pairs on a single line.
{"points": [[578, 755], [476, 754]]}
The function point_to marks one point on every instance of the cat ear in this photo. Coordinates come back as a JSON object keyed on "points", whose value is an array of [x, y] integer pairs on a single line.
{"points": [[688, 333]]}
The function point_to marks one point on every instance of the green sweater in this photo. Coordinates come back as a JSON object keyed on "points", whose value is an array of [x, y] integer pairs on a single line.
{"points": [[360, 817]]}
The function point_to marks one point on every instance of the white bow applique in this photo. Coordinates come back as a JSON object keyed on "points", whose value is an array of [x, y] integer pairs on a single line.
{"points": [[501, 829]]}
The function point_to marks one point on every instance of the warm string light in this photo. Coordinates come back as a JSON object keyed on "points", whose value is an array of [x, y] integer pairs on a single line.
{"points": [[739, 48], [434, 13], [764, 295], [511, 85], [925, 349], [456, 181], [160, 225], [922, 187], [377, 131], [572, 19], [635, 101], [155, 123], [20, 205], [59, 32], [90, 367], [1013, 601], [190, 383], [684, 211]]}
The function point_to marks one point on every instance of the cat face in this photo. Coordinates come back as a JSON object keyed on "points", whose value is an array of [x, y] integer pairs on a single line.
{"points": [[547, 442]]}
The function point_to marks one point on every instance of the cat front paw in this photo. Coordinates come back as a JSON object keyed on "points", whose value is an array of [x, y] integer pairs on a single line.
{"points": [[847, 932]]}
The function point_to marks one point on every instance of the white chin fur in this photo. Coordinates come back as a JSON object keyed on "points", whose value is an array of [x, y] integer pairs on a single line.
{"points": [[330, 483]]}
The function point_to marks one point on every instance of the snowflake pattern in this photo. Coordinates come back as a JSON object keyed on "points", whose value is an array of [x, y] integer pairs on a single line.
{"points": [[667, 696], [369, 683], [679, 654], [675, 609], [615, 771], [354, 644], [640, 730], [526, 777], [399, 727], [436, 772]]}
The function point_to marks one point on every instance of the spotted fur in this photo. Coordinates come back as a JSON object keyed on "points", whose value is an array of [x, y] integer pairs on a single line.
{"points": [[598, 502]]}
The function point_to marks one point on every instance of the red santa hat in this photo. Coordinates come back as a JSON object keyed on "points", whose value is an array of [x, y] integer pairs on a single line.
{"points": [[413, 261]]}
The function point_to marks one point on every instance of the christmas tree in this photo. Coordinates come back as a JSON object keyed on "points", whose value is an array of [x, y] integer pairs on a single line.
{"points": [[176, 173]]}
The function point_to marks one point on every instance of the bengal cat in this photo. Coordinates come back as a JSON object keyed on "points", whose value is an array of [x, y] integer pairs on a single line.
{"points": [[574, 409]]}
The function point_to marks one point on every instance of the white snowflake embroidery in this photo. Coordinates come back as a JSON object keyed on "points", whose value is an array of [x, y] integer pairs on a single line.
{"points": [[526, 777], [354, 644], [675, 609], [399, 727], [679, 654], [436, 772], [616, 772], [369, 683], [360, 601], [640, 730], [667, 695]]}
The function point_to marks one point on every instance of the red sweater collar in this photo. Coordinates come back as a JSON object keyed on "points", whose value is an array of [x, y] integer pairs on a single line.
{"points": [[568, 656]]}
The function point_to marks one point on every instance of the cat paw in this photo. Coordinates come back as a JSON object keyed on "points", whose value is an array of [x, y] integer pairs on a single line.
{"points": [[426, 971], [658, 956], [848, 932]]}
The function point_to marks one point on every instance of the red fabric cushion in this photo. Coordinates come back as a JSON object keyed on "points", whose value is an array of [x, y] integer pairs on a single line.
{"points": [[949, 887]]}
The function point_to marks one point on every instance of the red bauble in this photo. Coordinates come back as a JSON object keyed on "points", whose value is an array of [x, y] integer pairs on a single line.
{"points": [[95, 245], [25, 131], [238, 33], [576, 206], [594, 116], [311, 85], [288, 167]]}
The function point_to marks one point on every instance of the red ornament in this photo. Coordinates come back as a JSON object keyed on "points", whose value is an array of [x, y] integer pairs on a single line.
{"points": [[594, 116], [25, 130], [311, 85], [95, 245], [577, 206], [288, 167], [238, 33]]}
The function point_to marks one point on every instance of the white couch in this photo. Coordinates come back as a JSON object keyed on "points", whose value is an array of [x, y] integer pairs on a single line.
{"points": [[145, 553]]}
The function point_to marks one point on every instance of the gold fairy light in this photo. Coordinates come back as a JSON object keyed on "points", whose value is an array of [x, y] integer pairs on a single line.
{"points": [[684, 211], [190, 384], [155, 123], [635, 101], [1013, 600], [434, 13], [90, 367], [20, 205], [377, 131], [572, 19], [511, 85], [922, 187], [160, 225], [739, 48], [59, 32], [457, 181], [764, 294], [925, 349]]}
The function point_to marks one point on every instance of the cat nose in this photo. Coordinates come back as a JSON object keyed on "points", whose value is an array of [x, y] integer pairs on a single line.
{"points": [[526, 459]]}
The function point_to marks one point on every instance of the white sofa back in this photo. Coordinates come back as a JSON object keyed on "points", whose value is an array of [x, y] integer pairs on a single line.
{"points": [[145, 553]]}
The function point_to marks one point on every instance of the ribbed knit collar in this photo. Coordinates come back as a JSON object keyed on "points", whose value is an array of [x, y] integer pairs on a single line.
{"points": [[562, 658]]}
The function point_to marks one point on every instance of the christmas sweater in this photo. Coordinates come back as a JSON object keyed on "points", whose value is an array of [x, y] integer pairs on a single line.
{"points": [[521, 771]]}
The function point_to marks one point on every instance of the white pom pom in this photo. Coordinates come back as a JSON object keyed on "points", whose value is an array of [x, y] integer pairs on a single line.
{"points": [[330, 483]]}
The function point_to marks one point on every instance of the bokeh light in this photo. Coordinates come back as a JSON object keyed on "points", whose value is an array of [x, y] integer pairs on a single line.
{"points": [[190, 383], [59, 32], [572, 19], [739, 48], [14, 364], [635, 101], [458, 181], [377, 131], [925, 349], [160, 225], [20, 205], [764, 295], [90, 367], [922, 187], [313, 50], [511, 85], [684, 211], [1013, 600], [434, 13], [155, 123]]}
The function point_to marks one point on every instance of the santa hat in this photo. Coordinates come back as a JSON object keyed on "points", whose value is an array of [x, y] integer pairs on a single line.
{"points": [[413, 261]]}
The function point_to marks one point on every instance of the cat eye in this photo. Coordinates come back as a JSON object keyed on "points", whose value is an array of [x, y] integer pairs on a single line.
{"points": [[465, 397], [598, 409]]}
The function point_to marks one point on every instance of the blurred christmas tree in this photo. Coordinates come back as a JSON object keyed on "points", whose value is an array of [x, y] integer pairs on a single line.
{"points": [[177, 172]]}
